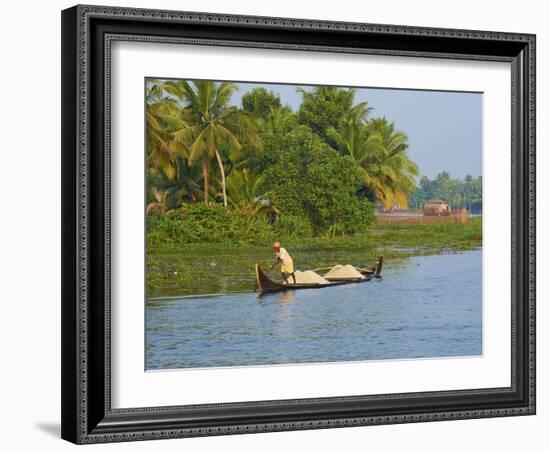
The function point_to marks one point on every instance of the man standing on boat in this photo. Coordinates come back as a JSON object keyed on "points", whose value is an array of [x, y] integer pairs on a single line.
{"points": [[283, 258]]}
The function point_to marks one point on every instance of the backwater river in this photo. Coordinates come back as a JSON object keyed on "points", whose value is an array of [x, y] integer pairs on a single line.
{"points": [[423, 307]]}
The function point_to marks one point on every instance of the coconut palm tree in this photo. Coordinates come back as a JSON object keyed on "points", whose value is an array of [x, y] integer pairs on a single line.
{"points": [[244, 193], [352, 136], [390, 166], [186, 183], [158, 205], [281, 119], [380, 154], [211, 122], [163, 117]]}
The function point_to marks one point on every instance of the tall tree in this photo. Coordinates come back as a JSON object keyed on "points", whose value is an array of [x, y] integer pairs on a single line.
{"points": [[380, 154], [315, 182], [351, 136], [390, 168], [163, 117], [259, 102], [324, 107], [245, 193], [280, 120], [185, 187], [211, 123], [425, 183], [158, 206]]}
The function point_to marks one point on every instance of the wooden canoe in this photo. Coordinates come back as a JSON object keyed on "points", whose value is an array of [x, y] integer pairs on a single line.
{"points": [[266, 285]]}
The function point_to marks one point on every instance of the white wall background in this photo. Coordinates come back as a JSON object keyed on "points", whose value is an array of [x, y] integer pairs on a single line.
{"points": [[30, 225]]}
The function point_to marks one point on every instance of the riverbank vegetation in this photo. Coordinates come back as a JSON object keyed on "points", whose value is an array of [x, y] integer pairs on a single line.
{"points": [[207, 266], [215, 226], [317, 171]]}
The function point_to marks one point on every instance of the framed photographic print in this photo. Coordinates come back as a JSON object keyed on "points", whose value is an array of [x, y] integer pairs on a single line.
{"points": [[279, 224]]}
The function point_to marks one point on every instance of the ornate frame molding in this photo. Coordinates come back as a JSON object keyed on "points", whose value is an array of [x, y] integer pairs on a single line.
{"points": [[80, 217]]}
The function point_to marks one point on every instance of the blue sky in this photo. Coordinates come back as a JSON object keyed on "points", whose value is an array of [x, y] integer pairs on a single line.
{"points": [[444, 128]]}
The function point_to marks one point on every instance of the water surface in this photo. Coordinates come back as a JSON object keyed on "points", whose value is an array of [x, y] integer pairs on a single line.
{"points": [[425, 306]]}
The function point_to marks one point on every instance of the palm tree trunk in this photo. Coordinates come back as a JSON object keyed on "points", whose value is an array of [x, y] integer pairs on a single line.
{"points": [[205, 176], [222, 173]]}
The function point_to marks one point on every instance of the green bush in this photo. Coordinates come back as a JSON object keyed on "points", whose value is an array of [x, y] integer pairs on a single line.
{"points": [[294, 226], [200, 223], [307, 178]]}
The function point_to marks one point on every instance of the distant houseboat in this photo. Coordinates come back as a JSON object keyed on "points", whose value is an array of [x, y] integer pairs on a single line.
{"points": [[437, 208]]}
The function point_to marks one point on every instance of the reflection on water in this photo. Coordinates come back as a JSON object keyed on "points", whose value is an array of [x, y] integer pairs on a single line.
{"points": [[286, 296], [429, 306]]}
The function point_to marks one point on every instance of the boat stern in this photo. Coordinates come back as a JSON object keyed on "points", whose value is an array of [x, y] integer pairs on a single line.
{"points": [[378, 270], [257, 268]]}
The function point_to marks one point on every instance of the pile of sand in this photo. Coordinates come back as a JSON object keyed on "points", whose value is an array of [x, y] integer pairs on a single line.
{"points": [[307, 277], [340, 272]]}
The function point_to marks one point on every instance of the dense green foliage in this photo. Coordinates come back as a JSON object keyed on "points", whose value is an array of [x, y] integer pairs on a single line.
{"points": [[324, 108], [314, 172], [207, 223], [465, 193], [379, 152], [259, 102], [316, 182]]}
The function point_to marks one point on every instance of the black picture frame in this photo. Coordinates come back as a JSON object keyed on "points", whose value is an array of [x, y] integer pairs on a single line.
{"points": [[87, 32]]}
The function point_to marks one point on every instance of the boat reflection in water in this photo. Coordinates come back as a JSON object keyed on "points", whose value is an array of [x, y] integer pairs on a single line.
{"points": [[286, 296]]}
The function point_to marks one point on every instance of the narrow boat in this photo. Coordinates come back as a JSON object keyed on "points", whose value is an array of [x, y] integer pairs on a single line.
{"points": [[267, 285]]}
